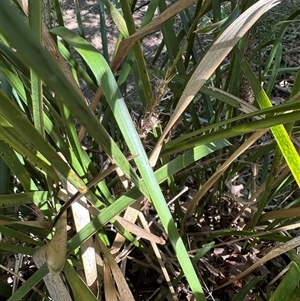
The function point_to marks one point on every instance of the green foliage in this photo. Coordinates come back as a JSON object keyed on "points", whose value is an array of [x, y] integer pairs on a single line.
{"points": [[204, 105]]}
